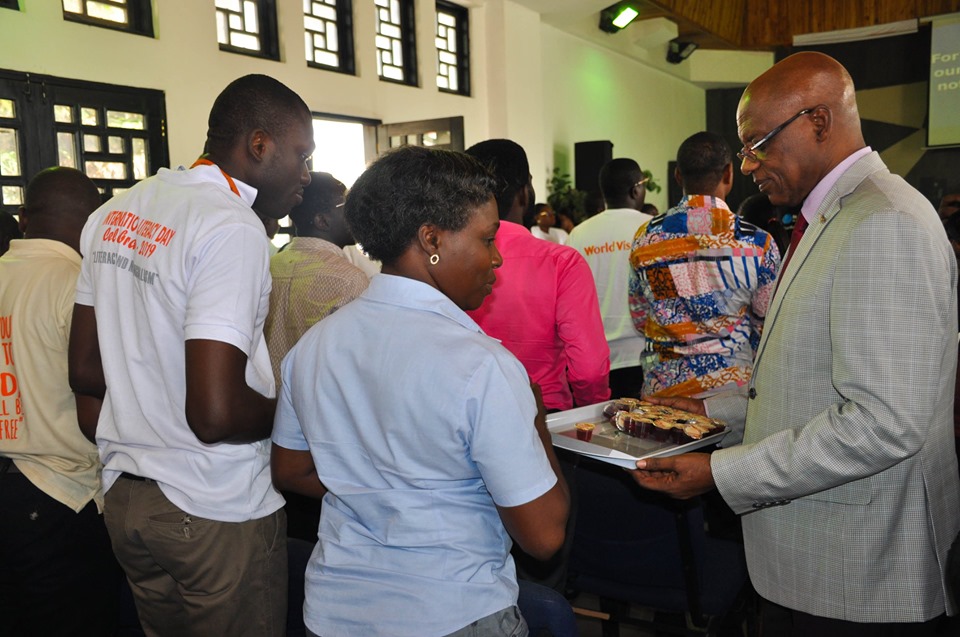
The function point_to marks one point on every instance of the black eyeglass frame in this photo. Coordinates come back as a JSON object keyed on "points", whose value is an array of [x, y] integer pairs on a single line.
{"points": [[749, 152]]}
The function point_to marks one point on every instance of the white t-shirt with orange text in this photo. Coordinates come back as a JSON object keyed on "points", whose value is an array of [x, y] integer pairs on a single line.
{"points": [[177, 257]]}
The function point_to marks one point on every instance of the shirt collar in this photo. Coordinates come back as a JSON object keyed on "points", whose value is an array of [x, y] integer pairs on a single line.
{"points": [[812, 203], [410, 293], [213, 174], [704, 201], [314, 244], [26, 247]]}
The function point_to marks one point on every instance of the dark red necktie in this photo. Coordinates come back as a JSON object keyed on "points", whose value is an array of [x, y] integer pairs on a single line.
{"points": [[798, 229]]}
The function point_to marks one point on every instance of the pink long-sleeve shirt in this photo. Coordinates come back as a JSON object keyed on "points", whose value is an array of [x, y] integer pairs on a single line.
{"points": [[544, 309]]}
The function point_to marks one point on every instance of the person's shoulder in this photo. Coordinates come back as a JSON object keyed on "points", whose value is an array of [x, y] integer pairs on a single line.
{"points": [[568, 258], [495, 355], [753, 233], [353, 275], [655, 224], [516, 237]]}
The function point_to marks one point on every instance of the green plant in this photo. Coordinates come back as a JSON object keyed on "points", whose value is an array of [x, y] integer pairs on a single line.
{"points": [[563, 197], [652, 186]]}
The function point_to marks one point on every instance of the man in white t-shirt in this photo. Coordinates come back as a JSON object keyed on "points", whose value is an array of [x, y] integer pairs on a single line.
{"points": [[168, 331], [604, 240]]}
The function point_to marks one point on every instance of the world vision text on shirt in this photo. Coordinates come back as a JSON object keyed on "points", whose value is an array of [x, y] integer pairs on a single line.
{"points": [[11, 408], [609, 246]]}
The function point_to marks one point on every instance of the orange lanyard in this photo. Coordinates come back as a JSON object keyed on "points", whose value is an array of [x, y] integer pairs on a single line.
{"points": [[203, 161]]}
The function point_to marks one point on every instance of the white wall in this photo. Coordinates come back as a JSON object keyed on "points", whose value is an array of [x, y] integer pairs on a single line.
{"points": [[185, 62], [531, 82], [514, 64], [592, 94]]}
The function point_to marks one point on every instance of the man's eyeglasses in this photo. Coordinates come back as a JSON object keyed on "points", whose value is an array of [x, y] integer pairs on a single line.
{"points": [[641, 182], [751, 152]]}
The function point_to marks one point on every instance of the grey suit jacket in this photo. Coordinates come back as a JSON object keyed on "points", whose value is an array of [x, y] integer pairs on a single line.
{"points": [[847, 471]]}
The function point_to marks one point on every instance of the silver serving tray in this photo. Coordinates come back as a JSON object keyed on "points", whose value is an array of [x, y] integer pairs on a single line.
{"points": [[610, 445]]}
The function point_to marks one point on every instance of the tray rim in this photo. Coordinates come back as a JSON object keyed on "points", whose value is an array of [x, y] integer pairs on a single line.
{"points": [[562, 420]]}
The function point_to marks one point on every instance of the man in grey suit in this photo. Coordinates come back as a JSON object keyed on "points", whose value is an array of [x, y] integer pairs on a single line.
{"points": [[846, 478]]}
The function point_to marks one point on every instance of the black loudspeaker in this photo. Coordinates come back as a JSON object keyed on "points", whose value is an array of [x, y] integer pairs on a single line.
{"points": [[588, 159]]}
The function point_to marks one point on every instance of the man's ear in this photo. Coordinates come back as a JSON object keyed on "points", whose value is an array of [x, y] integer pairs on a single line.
{"points": [[22, 219], [677, 177], [727, 179], [523, 197], [822, 122], [320, 221], [257, 144]]}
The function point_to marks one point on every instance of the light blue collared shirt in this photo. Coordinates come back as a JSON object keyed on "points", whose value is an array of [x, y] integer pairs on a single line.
{"points": [[418, 423]]}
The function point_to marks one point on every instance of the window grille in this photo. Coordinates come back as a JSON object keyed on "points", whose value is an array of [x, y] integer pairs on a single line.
{"points": [[453, 48], [395, 41], [248, 27], [328, 34], [133, 16]]}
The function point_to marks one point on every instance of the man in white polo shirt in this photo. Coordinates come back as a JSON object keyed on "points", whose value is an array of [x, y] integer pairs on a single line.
{"points": [[604, 240], [172, 299]]}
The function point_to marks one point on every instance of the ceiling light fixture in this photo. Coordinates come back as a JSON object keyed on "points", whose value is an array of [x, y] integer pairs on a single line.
{"points": [[617, 16], [679, 50]]}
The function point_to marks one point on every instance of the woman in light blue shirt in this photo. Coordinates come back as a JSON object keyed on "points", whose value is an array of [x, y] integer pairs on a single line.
{"points": [[420, 432]]}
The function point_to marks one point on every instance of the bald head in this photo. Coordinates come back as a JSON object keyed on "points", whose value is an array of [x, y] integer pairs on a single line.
{"points": [[57, 203], [804, 80], [797, 157]]}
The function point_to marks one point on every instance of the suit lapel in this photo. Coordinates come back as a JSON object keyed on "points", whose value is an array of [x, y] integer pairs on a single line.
{"points": [[829, 208]]}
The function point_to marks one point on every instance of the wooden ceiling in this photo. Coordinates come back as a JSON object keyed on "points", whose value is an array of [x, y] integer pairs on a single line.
{"points": [[770, 24]]}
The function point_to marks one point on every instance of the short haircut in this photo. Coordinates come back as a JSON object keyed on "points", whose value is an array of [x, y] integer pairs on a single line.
{"points": [[412, 186], [507, 160], [59, 191], [618, 177], [322, 195], [701, 160], [249, 103]]}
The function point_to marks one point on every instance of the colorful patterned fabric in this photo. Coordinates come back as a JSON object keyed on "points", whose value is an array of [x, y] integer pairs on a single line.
{"points": [[700, 285]]}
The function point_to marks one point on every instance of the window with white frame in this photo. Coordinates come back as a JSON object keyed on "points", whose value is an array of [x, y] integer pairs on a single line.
{"points": [[453, 48], [133, 16], [328, 34], [396, 42], [248, 27]]}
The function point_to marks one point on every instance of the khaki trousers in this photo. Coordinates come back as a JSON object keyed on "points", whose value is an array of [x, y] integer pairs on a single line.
{"points": [[194, 576]]}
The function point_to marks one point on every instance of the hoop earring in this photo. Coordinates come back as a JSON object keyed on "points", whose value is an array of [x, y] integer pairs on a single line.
{"points": [[434, 259]]}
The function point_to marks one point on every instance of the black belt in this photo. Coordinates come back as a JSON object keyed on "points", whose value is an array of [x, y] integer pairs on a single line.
{"points": [[130, 476]]}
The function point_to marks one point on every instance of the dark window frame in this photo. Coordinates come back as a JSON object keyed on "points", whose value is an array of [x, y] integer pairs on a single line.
{"points": [[35, 97], [408, 43], [10, 4], [269, 36], [462, 15], [348, 60], [139, 15]]}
